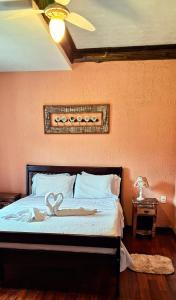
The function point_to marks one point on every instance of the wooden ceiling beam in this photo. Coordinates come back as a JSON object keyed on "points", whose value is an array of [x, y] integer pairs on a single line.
{"points": [[124, 53]]}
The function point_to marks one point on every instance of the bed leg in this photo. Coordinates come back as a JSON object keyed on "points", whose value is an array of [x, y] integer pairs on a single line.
{"points": [[116, 273], [1, 274], [117, 281]]}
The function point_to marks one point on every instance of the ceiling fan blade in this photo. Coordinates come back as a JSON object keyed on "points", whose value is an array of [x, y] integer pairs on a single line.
{"points": [[23, 13], [80, 21], [63, 2], [16, 15], [37, 11], [14, 5]]}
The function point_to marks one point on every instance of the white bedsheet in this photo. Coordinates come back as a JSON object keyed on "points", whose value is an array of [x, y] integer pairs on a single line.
{"points": [[107, 222]]}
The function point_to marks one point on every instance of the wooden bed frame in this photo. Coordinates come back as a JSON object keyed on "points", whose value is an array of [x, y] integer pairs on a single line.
{"points": [[47, 260]]}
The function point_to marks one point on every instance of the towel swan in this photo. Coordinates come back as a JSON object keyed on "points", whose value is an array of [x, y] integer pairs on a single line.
{"points": [[53, 202]]}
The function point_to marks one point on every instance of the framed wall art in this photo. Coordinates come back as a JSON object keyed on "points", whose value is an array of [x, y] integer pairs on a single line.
{"points": [[76, 118]]}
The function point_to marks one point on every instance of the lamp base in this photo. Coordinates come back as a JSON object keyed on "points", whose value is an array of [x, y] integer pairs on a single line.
{"points": [[140, 198]]}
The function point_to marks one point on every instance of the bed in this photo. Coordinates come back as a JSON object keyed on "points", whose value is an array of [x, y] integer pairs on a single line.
{"points": [[47, 250]]}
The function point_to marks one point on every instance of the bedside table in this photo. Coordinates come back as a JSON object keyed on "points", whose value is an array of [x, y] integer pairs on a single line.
{"points": [[144, 216], [8, 198]]}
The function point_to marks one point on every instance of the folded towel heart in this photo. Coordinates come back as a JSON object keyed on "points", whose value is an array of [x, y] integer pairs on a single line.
{"points": [[53, 202]]}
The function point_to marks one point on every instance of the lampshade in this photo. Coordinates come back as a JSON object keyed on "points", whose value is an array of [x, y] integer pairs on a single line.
{"points": [[57, 29], [140, 183]]}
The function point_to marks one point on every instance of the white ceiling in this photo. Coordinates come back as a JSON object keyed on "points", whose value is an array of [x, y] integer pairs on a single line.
{"points": [[125, 22], [25, 45]]}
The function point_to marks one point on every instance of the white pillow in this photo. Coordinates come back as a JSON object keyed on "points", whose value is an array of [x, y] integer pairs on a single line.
{"points": [[60, 184], [115, 183], [41, 175], [93, 186]]}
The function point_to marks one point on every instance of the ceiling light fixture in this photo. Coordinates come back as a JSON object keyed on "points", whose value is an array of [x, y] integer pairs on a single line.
{"points": [[57, 14], [57, 29]]}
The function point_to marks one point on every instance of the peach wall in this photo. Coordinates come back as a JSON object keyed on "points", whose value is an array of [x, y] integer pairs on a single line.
{"points": [[174, 203], [142, 124]]}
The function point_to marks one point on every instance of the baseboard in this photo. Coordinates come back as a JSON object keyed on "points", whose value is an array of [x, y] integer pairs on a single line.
{"points": [[164, 230], [160, 230]]}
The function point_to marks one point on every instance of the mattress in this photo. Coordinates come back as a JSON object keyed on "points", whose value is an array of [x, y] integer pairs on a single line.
{"points": [[107, 222]]}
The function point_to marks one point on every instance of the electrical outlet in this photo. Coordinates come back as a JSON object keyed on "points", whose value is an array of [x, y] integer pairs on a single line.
{"points": [[163, 198]]}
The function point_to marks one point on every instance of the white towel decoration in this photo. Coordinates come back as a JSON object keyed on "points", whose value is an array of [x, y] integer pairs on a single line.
{"points": [[53, 202], [75, 212], [38, 215], [27, 215]]}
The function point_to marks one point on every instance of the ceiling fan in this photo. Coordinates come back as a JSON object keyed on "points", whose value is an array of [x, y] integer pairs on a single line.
{"points": [[57, 13]]}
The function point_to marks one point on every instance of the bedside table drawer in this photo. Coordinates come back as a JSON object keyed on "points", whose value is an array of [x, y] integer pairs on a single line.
{"points": [[146, 211]]}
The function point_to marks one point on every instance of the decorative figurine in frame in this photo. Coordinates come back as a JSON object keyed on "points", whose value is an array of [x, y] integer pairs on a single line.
{"points": [[76, 118]]}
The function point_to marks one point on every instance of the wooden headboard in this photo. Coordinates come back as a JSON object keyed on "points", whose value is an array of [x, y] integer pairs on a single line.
{"points": [[31, 170]]}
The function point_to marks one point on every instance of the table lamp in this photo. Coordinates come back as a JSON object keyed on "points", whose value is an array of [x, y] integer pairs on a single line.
{"points": [[140, 183]]}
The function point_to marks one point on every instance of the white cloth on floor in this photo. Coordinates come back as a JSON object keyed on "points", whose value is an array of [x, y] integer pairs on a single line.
{"points": [[125, 258]]}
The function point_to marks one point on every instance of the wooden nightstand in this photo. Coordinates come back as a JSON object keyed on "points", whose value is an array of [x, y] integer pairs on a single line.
{"points": [[8, 198], [144, 216]]}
